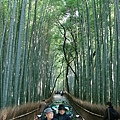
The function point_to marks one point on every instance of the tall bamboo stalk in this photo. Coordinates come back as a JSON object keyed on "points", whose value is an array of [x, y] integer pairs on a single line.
{"points": [[18, 59]]}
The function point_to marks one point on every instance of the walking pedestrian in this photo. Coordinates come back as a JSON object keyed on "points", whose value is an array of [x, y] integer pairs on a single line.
{"points": [[110, 113]]}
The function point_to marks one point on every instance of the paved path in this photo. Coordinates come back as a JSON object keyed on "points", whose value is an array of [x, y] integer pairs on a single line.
{"points": [[58, 97]]}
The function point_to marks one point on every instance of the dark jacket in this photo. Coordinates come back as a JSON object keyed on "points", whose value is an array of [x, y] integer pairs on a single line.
{"points": [[109, 110], [52, 119], [62, 117]]}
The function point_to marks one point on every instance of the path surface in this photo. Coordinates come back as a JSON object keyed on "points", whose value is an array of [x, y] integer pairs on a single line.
{"points": [[58, 97]]}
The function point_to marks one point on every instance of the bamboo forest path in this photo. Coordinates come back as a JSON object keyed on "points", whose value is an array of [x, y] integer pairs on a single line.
{"points": [[78, 109]]}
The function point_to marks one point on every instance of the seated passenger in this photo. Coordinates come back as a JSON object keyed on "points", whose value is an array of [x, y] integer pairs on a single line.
{"points": [[62, 113], [49, 114]]}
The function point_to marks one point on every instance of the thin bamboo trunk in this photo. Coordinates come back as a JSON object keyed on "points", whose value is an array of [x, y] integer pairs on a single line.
{"points": [[18, 59]]}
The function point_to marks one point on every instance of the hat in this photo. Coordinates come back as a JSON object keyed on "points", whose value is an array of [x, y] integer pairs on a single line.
{"points": [[108, 103], [47, 110], [61, 107]]}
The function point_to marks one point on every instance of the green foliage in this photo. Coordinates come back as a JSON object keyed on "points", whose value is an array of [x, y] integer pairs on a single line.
{"points": [[53, 35]]}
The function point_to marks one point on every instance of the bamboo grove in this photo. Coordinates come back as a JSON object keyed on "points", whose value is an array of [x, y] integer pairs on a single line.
{"points": [[48, 45]]}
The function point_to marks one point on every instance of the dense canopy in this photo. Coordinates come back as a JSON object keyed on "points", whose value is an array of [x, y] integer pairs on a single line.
{"points": [[48, 45]]}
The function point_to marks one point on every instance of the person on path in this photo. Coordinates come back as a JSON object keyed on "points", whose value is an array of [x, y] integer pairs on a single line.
{"points": [[110, 113], [62, 113], [49, 114]]}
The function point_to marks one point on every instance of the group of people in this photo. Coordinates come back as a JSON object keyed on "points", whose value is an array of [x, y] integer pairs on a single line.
{"points": [[110, 113], [61, 115]]}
